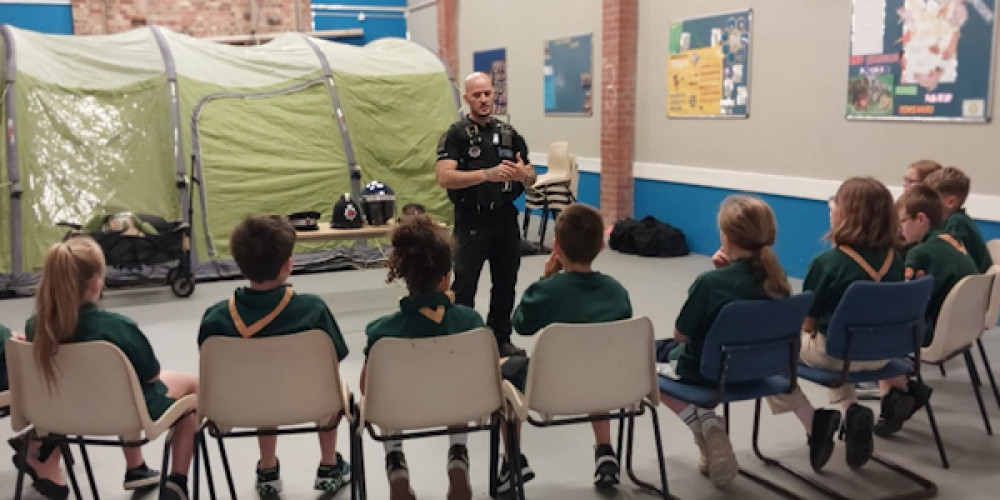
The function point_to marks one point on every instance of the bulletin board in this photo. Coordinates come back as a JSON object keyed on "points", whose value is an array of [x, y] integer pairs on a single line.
{"points": [[708, 69], [494, 63], [568, 76], [921, 60]]}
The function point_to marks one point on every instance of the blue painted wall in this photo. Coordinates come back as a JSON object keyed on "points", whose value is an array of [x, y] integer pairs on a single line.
{"points": [[56, 19], [376, 24]]}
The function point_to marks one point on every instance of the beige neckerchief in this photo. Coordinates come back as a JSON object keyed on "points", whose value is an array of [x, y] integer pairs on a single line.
{"points": [[247, 332], [876, 276]]}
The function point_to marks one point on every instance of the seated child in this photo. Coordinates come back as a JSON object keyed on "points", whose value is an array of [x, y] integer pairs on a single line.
{"points": [[918, 171], [422, 254], [66, 311], [570, 291], [262, 247], [747, 269], [937, 254], [953, 186]]}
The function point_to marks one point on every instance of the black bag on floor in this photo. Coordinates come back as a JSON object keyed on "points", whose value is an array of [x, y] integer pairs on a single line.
{"points": [[648, 237]]}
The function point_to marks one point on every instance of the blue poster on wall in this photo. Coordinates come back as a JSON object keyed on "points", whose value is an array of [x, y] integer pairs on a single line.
{"points": [[926, 60], [569, 76], [494, 63]]}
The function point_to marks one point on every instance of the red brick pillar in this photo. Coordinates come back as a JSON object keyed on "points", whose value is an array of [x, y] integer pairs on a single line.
{"points": [[619, 42], [447, 17]]}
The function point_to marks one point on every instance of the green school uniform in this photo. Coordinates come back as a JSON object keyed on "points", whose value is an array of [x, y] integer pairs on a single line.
{"points": [[569, 297], [304, 312], [96, 324], [831, 272], [4, 335], [945, 263], [960, 225], [418, 318], [706, 296]]}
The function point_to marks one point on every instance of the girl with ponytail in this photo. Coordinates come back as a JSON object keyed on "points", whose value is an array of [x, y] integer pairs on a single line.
{"points": [[66, 312]]}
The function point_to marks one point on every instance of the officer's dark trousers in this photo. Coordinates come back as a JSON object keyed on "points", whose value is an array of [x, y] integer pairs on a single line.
{"points": [[493, 237]]}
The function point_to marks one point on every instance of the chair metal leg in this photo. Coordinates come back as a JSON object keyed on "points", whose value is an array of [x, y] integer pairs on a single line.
{"points": [[971, 363], [225, 466], [665, 487], [619, 451], [768, 461], [87, 467], [494, 451], [21, 467], [725, 416], [357, 476], [989, 370], [526, 222], [943, 373], [935, 430], [68, 460], [514, 447], [195, 473], [208, 466], [164, 471]]}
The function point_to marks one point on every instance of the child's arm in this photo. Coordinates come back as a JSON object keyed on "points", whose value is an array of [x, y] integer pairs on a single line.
{"points": [[720, 259], [552, 265], [680, 337]]}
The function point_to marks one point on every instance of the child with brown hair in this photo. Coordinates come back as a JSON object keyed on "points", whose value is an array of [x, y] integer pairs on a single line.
{"points": [[918, 171], [953, 186]]}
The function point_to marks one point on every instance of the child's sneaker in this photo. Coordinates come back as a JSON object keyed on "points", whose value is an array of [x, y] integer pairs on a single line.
{"points": [[527, 474], [175, 489], [140, 477], [399, 477], [605, 467], [722, 465], [269, 480], [333, 477], [459, 487], [857, 435]]}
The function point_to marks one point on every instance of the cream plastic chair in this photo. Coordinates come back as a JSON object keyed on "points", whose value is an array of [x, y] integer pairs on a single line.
{"points": [[993, 246], [268, 384], [595, 371], [959, 327], [554, 190], [4, 403], [435, 386], [993, 310], [95, 393]]}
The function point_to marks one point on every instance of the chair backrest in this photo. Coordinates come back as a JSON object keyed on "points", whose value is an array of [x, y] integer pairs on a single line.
{"points": [[95, 391], [420, 383], [559, 160], [993, 309], [592, 367], [755, 339], [879, 320], [269, 381], [993, 246], [958, 324]]}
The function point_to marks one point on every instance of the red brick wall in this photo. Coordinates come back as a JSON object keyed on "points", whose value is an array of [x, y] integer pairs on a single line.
{"points": [[619, 44], [198, 18], [447, 17]]}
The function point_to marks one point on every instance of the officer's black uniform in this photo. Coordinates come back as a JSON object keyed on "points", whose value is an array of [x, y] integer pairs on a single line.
{"points": [[485, 216]]}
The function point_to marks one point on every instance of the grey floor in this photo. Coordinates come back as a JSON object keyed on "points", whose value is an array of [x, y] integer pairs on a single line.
{"points": [[562, 457]]}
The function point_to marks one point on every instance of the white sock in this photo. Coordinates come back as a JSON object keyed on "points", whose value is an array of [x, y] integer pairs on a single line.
{"points": [[391, 446], [707, 418], [461, 439], [689, 415]]}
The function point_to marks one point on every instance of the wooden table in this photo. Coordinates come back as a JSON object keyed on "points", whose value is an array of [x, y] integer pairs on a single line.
{"points": [[325, 232]]}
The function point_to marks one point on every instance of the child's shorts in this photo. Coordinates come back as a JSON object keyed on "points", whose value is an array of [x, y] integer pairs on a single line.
{"points": [[515, 369]]}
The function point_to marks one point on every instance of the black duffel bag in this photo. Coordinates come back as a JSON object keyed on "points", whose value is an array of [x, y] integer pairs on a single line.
{"points": [[648, 237]]}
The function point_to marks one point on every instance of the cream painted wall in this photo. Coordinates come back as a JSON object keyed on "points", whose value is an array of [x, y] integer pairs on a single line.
{"points": [[421, 23], [522, 27]]}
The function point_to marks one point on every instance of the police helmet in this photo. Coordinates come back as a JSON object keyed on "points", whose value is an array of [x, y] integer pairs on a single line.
{"points": [[346, 214], [379, 203]]}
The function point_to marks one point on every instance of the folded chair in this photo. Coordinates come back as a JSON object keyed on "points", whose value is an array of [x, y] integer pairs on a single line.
{"points": [[596, 371], [876, 321], [95, 393], [554, 190], [751, 352], [287, 384], [436, 386], [956, 332]]}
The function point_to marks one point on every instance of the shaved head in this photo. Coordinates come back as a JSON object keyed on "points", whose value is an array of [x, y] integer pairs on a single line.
{"points": [[476, 78], [479, 96]]}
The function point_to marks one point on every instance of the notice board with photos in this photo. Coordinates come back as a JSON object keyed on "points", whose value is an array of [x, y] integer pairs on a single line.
{"points": [[568, 76], [921, 60], [708, 69]]}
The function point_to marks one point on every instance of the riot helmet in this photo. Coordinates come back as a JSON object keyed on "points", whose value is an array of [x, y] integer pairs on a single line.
{"points": [[379, 203]]}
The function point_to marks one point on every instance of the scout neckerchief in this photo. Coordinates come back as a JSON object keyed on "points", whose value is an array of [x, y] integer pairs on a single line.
{"points": [[953, 242], [437, 314], [876, 276], [247, 332]]}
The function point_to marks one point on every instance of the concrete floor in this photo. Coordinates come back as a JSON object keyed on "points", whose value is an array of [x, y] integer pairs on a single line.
{"points": [[562, 457]]}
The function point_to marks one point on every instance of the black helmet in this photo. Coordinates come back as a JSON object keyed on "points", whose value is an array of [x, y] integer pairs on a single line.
{"points": [[346, 214], [379, 203]]}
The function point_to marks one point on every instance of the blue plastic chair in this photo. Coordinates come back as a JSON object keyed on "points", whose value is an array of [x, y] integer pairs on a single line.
{"points": [[875, 321], [751, 352]]}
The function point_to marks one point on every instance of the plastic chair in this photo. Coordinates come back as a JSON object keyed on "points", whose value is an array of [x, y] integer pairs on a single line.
{"points": [[4, 403], [435, 386], [993, 310], [95, 393], [993, 246], [748, 359], [958, 329], [287, 384], [876, 321], [590, 372], [554, 190]]}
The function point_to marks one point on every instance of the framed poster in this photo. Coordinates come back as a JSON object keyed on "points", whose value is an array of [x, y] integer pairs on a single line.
{"points": [[708, 69], [568, 74], [921, 60], [494, 63]]}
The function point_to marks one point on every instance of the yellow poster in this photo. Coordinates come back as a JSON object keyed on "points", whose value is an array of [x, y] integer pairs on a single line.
{"points": [[695, 82]]}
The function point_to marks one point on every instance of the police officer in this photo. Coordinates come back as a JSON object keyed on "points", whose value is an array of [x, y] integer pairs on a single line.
{"points": [[483, 163]]}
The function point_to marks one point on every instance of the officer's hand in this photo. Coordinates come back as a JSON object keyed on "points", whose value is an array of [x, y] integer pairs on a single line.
{"points": [[500, 173], [523, 172]]}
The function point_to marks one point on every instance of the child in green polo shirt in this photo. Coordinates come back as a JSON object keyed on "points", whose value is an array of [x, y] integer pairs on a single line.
{"points": [[67, 312], [262, 247], [953, 186], [940, 255], [422, 254], [570, 291], [917, 171]]}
